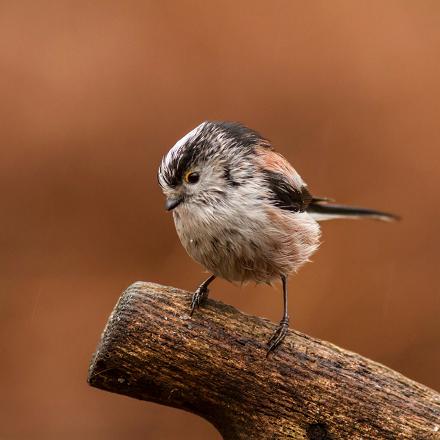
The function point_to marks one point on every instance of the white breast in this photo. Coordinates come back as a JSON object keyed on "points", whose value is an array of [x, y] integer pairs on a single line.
{"points": [[240, 241]]}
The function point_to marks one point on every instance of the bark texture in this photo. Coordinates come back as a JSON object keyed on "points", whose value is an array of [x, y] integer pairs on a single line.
{"points": [[214, 365]]}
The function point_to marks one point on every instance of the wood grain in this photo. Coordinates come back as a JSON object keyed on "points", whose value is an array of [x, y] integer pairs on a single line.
{"points": [[214, 365]]}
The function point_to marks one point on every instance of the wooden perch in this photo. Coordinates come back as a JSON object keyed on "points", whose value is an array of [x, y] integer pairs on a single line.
{"points": [[214, 365]]}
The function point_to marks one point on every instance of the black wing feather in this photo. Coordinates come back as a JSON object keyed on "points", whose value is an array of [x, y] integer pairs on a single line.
{"points": [[286, 196]]}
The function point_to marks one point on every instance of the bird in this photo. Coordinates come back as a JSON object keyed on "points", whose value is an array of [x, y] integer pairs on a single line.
{"points": [[242, 211]]}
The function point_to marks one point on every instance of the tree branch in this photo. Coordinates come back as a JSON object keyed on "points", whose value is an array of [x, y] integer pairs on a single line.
{"points": [[214, 365]]}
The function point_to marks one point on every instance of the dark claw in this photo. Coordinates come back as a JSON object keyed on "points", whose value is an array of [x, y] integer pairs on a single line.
{"points": [[278, 336], [199, 296]]}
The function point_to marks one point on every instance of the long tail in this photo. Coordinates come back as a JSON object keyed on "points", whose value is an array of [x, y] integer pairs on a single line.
{"points": [[321, 209]]}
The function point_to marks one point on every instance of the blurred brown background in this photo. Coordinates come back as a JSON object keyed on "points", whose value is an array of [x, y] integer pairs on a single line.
{"points": [[92, 95]]}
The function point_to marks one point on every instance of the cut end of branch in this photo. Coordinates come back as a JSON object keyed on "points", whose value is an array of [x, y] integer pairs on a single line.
{"points": [[214, 364]]}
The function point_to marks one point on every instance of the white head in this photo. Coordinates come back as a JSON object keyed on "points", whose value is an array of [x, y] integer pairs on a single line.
{"points": [[206, 163]]}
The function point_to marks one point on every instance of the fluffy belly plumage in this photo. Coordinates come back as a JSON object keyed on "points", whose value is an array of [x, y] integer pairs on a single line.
{"points": [[260, 252]]}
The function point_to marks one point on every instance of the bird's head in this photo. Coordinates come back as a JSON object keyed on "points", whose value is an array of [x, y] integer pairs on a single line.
{"points": [[208, 162]]}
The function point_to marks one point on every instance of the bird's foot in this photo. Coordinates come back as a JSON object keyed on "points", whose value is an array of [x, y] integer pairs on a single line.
{"points": [[199, 297], [278, 336]]}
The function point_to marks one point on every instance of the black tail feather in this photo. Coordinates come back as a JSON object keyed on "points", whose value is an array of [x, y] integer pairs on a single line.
{"points": [[324, 211]]}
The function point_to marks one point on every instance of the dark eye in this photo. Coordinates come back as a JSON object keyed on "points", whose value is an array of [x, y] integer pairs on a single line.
{"points": [[192, 177]]}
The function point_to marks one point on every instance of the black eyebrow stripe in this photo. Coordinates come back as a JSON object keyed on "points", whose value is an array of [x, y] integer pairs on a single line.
{"points": [[174, 171], [199, 147]]}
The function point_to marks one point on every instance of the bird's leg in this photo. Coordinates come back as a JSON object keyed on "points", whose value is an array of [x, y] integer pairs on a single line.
{"points": [[201, 294], [281, 331]]}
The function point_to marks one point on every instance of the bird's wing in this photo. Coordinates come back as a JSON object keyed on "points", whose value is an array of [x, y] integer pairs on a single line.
{"points": [[287, 190]]}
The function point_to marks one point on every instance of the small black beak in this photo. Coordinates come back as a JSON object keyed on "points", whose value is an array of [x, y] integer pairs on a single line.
{"points": [[170, 204]]}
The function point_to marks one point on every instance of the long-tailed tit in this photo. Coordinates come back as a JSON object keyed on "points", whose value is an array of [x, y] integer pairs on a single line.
{"points": [[242, 211]]}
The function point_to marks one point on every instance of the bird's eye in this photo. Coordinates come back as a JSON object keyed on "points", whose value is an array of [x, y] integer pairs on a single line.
{"points": [[191, 177]]}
